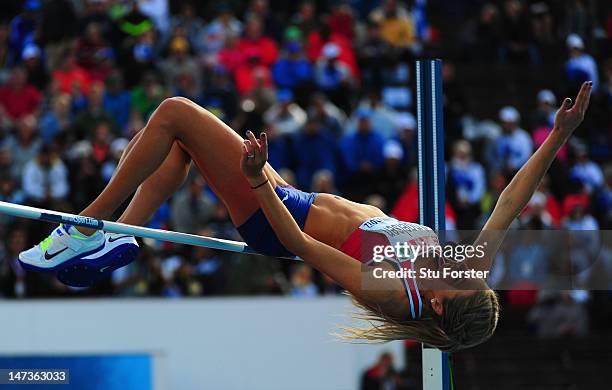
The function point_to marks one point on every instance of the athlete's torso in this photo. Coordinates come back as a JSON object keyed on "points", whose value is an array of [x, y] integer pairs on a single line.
{"points": [[332, 219]]}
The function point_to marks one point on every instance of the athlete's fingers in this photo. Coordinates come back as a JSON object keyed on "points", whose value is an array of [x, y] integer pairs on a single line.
{"points": [[584, 104], [253, 140], [249, 147], [264, 141], [566, 104], [580, 96]]}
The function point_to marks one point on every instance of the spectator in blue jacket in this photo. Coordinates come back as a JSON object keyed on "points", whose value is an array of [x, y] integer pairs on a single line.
{"points": [[23, 29], [467, 184], [363, 150], [315, 150], [117, 101], [292, 70]]}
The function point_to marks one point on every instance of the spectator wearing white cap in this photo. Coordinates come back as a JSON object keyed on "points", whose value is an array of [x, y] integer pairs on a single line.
{"points": [[585, 171], [383, 115], [286, 116], [393, 176], [37, 74], [546, 109], [580, 66], [514, 146], [467, 184], [333, 76]]}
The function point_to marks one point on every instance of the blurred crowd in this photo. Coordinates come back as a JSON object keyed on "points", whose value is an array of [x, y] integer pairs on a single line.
{"points": [[330, 82]]}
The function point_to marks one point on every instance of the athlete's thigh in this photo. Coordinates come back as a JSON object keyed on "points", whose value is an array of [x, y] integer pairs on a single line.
{"points": [[216, 150]]}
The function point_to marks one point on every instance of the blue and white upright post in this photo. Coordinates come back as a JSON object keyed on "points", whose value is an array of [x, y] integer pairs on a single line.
{"points": [[430, 150]]}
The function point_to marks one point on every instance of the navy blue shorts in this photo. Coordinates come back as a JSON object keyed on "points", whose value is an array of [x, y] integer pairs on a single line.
{"points": [[257, 231]]}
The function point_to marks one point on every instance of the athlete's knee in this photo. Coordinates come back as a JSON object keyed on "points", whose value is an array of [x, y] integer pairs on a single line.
{"points": [[174, 104]]}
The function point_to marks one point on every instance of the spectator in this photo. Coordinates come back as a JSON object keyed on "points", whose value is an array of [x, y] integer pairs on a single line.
{"points": [[580, 66], [34, 67], [208, 270], [603, 200], [392, 178], [100, 142], [385, 117], [286, 116], [305, 18], [363, 150], [117, 100], [374, 56], [260, 9], [18, 98], [467, 183], [545, 113], [147, 96], [488, 34], [45, 179], [13, 278], [517, 41], [24, 146], [23, 29], [188, 19], [221, 94], [333, 76], [327, 113], [323, 181], [396, 27], [314, 149], [558, 314], [302, 285], [250, 73], [58, 120], [192, 207], [58, 24], [93, 114], [585, 171], [292, 70], [255, 42], [116, 149], [215, 35], [362, 154], [180, 63], [230, 57], [70, 77], [380, 376], [139, 58], [92, 51], [514, 146], [341, 20]]}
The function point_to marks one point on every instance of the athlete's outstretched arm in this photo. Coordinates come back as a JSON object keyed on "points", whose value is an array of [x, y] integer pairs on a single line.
{"points": [[345, 270], [520, 190]]}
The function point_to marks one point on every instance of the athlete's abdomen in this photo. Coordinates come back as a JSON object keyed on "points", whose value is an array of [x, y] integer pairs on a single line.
{"points": [[332, 218]]}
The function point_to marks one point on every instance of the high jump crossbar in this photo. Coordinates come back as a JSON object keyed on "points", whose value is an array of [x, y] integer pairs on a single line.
{"points": [[21, 211], [431, 180]]}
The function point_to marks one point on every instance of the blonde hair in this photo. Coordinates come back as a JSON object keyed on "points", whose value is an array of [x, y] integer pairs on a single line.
{"points": [[466, 321]]}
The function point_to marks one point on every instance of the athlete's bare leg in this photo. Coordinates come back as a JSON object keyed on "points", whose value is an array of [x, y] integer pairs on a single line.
{"points": [[158, 187], [212, 145]]}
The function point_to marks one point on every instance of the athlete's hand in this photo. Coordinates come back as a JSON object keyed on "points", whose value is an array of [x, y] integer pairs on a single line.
{"points": [[569, 118], [254, 154]]}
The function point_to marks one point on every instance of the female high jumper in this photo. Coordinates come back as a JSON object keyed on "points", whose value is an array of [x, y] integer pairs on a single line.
{"points": [[332, 234]]}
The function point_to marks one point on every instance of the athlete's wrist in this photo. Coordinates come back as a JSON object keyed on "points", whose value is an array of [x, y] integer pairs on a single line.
{"points": [[257, 180]]}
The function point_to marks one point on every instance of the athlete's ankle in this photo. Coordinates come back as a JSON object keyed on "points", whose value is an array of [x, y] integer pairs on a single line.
{"points": [[85, 231]]}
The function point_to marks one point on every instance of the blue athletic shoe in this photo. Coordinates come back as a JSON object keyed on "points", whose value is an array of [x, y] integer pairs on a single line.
{"points": [[80, 260]]}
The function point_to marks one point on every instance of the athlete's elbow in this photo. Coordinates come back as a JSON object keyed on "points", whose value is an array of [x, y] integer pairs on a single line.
{"points": [[297, 244]]}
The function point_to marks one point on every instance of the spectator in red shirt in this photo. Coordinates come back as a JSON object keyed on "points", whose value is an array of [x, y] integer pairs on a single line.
{"points": [[70, 76], [250, 73], [254, 41], [18, 98], [230, 56]]}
